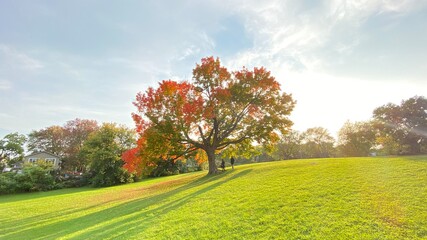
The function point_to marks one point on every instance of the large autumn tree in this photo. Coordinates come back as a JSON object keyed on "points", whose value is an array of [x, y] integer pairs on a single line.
{"points": [[217, 108]]}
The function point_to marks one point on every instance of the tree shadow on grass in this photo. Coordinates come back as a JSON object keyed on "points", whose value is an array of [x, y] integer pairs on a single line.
{"points": [[10, 225], [25, 196], [118, 220], [420, 158], [141, 222]]}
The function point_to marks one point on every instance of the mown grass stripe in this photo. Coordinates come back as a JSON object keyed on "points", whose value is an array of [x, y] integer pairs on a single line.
{"points": [[348, 198]]}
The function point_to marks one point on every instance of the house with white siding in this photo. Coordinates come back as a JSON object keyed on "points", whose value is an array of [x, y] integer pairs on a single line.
{"points": [[44, 156]]}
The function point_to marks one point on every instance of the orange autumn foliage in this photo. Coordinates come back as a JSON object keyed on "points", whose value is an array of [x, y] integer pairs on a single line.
{"points": [[216, 109]]}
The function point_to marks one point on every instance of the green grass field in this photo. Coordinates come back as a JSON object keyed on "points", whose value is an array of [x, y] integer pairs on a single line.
{"points": [[353, 198]]}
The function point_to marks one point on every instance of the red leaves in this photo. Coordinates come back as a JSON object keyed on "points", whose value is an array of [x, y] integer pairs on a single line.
{"points": [[192, 110], [210, 74], [259, 78], [222, 94], [132, 161], [177, 100]]}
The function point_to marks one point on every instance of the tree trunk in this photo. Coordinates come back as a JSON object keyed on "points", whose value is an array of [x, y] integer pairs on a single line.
{"points": [[211, 160]]}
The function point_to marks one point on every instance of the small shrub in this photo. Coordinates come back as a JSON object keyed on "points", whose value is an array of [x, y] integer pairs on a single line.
{"points": [[72, 181], [23, 182], [110, 177], [40, 178], [32, 178], [7, 183]]}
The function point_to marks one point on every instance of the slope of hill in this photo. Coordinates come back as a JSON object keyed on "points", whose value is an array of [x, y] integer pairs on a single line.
{"points": [[352, 198]]}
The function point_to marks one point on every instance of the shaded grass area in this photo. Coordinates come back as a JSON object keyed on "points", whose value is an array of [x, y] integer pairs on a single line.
{"points": [[352, 198]]}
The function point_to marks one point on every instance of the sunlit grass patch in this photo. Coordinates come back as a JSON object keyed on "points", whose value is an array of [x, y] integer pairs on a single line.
{"points": [[353, 198]]}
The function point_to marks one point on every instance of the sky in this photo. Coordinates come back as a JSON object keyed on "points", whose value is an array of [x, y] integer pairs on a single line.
{"points": [[61, 60]]}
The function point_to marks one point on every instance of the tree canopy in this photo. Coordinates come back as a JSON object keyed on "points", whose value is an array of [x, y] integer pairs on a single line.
{"points": [[50, 139], [103, 149], [214, 110], [11, 148], [317, 142], [65, 141], [403, 128], [356, 139]]}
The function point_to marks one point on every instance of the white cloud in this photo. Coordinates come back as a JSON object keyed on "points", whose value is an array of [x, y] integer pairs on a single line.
{"points": [[297, 42], [286, 32], [142, 65], [19, 59], [5, 84], [190, 51], [206, 41], [359, 10]]}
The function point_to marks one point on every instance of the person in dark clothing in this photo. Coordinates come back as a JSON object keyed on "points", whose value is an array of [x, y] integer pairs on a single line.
{"points": [[223, 165], [232, 162]]}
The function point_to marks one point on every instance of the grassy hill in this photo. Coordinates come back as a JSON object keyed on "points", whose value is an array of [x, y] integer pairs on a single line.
{"points": [[353, 198]]}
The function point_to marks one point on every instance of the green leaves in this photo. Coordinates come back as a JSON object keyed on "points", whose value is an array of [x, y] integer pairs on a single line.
{"points": [[403, 127], [12, 147], [103, 149]]}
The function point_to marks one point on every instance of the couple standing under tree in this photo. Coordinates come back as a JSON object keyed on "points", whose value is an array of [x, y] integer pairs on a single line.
{"points": [[231, 162]]}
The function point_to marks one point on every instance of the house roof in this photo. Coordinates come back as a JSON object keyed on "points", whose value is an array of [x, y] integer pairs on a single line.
{"points": [[35, 153]]}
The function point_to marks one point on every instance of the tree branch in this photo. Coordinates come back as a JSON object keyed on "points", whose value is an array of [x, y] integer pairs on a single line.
{"points": [[237, 118], [187, 151], [225, 144], [201, 134], [215, 131], [191, 141]]}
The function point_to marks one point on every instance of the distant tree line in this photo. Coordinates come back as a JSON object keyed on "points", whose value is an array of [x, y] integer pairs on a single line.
{"points": [[104, 154], [91, 154], [393, 130]]}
